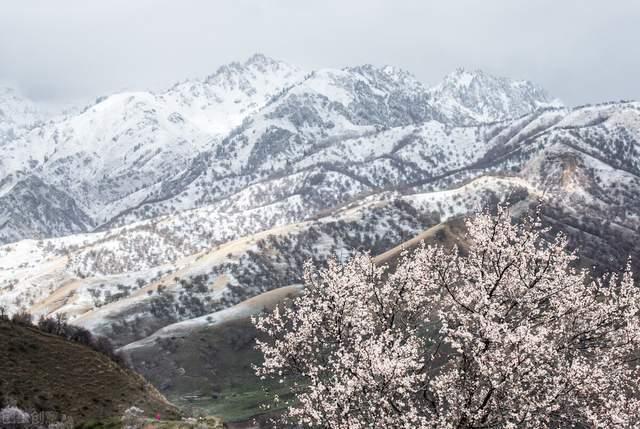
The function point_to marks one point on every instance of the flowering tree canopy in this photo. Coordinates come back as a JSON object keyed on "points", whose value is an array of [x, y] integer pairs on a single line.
{"points": [[505, 333]]}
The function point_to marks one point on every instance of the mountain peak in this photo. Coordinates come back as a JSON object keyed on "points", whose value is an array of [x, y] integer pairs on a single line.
{"points": [[388, 71], [261, 59], [463, 77], [17, 113], [257, 62], [389, 78], [476, 96]]}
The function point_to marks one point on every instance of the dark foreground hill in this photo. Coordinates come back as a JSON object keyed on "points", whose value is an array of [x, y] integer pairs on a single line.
{"points": [[43, 372]]}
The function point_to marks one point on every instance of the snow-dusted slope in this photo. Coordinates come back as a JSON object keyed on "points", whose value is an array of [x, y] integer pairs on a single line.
{"points": [[121, 145], [255, 133], [329, 105], [221, 101], [17, 114], [471, 97], [350, 194], [313, 119], [138, 279], [36, 209], [111, 156]]}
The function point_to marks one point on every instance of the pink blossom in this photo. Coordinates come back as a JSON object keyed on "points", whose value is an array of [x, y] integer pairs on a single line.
{"points": [[507, 333]]}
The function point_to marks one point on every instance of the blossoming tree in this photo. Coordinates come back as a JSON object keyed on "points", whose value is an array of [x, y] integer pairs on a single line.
{"points": [[504, 333]]}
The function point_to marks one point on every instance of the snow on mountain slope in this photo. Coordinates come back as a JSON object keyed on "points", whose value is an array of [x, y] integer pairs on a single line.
{"points": [[220, 102], [36, 209], [17, 114], [329, 105], [333, 105], [130, 281], [328, 108], [426, 157], [118, 146], [305, 145], [403, 155], [466, 97], [111, 156], [45, 276], [565, 162]]}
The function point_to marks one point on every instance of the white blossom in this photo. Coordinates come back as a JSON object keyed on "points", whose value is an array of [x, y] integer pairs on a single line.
{"points": [[505, 332]]}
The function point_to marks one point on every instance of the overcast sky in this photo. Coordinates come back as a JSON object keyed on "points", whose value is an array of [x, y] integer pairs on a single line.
{"points": [[60, 50]]}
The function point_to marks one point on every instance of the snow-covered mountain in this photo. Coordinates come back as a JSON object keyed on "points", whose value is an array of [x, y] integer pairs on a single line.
{"points": [[112, 155], [17, 114], [474, 97], [136, 155], [309, 152], [372, 192], [327, 107], [221, 101]]}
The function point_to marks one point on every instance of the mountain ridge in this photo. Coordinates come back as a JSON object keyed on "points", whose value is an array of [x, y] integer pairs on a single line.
{"points": [[127, 149]]}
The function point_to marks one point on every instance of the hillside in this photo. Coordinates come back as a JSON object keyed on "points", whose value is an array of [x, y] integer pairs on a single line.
{"points": [[48, 373], [207, 363]]}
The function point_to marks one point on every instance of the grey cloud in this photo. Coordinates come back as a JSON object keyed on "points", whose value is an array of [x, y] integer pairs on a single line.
{"points": [[580, 50]]}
